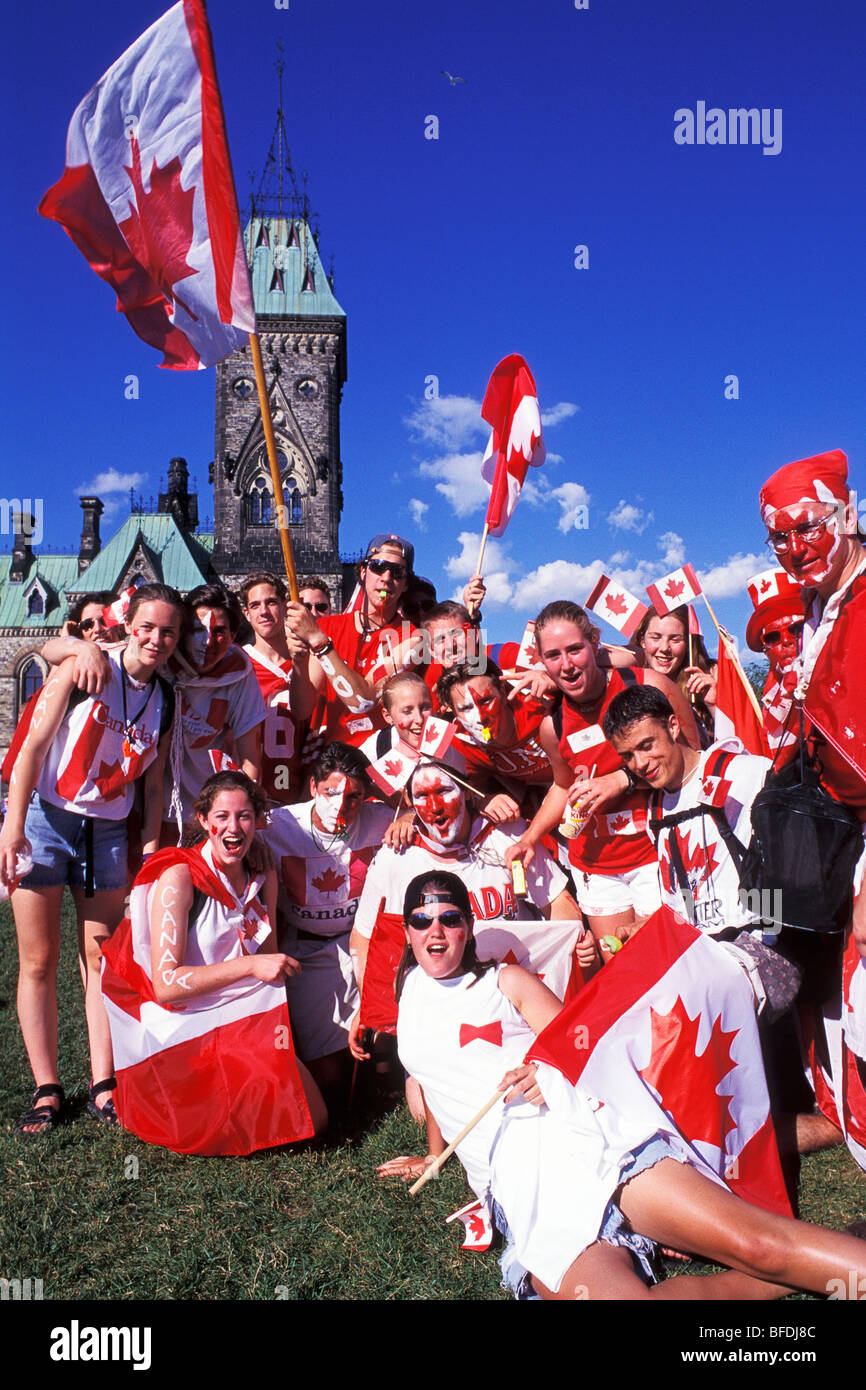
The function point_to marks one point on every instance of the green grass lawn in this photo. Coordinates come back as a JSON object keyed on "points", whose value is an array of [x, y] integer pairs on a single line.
{"points": [[96, 1214]]}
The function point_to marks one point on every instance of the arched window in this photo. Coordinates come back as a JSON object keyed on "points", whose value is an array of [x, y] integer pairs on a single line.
{"points": [[30, 679], [259, 508], [292, 495], [35, 604]]}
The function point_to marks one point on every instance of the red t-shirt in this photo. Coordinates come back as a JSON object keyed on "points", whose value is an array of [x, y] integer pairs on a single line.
{"points": [[614, 841], [363, 651]]}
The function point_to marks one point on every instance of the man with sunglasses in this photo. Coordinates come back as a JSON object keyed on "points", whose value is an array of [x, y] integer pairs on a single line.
{"points": [[812, 530], [351, 654], [776, 629], [315, 596]]}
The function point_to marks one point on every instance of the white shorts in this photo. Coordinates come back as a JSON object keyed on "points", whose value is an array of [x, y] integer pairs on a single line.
{"points": [[602, 895]]}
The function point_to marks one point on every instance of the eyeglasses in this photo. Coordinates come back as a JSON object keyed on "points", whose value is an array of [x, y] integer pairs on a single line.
{"points": [[383, 566], [808, 531], [316, 607], [88, 623], [452, 918], [776, 635]]}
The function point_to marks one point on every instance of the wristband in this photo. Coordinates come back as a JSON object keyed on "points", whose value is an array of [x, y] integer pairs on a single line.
{"points": [[632, 782], [323, 649]]}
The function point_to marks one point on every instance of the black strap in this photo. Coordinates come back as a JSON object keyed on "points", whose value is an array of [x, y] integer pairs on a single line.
{"points": [[166, 718], [736, 849]]}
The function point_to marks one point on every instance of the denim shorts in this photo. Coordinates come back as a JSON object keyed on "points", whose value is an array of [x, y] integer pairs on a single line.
{"points": [[57, 838]]}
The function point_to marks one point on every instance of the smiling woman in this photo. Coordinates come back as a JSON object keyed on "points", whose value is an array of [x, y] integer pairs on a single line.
{"points": [[205, 1063]]}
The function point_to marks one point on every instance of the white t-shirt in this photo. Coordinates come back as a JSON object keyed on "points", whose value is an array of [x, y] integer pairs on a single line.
{"points": [[710, 870], [322, 875], [222, 704]]}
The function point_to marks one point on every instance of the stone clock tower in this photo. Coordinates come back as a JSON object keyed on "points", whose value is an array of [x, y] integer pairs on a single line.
{"points": [[302, 331]]}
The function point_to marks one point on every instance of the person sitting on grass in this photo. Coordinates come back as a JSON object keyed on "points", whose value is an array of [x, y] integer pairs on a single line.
{"points": [[464, 1029], [195, 991]]}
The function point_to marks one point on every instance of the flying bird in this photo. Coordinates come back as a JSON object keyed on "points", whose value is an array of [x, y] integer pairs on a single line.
{"points": [[452, 80]]}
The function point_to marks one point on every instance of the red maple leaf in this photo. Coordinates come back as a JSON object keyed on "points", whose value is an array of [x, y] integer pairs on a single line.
{"points": [[328, 881], [674, 588], [685, 1082], [432, 734], [616, 603], [393, 767], [765, 584], [618, 822], [698, 863], [159, 230], [111, 779]]}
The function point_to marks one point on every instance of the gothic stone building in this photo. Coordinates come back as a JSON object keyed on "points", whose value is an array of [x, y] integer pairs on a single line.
{"points": [[302, 330]]}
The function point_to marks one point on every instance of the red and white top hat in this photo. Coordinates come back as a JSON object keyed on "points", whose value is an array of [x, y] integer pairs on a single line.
{"points": [[822, 478], [774, 595]]}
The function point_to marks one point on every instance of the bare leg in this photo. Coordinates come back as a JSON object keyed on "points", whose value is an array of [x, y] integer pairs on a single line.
{"points": [[607, 1272], [816, 1132], [97, 918], [674, 1204], [37, 921], [618, 924]]}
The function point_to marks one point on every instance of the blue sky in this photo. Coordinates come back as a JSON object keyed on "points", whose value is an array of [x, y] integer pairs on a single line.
{"points": [[705, 261]]}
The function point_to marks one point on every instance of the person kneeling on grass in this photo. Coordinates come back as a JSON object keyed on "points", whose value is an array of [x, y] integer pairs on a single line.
{"points": [[576, 1216], [195, 992]]}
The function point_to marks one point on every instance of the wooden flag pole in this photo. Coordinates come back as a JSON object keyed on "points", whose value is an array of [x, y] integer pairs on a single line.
{"points": [[435, 1166], [480, 560], [723, 637], [276, 480]]}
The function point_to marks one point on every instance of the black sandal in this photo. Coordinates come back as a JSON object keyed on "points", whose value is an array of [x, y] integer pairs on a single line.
{"points": [[44, 1117], [106, 1113]]}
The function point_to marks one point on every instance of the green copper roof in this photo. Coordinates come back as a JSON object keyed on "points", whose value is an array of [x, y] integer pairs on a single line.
{"points": [[179, 560], [55, 573], [287, 274]]}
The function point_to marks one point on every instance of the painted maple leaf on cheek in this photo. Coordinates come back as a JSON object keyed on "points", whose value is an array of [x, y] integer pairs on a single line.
{"points": [[159, 230]]}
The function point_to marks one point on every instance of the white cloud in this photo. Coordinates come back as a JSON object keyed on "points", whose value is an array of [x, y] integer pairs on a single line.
{"points": [[627, 517], [563, 411], [673, 550], [557, 579], [460, 481], [417, 511], [448, 422], [496, 567], [108, 482], [620, 557], [729, 580], [573, 500]]}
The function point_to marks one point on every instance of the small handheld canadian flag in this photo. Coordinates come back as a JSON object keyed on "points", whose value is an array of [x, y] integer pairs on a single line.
{"points": [[115, 612], [681, 586], [617, 606]]}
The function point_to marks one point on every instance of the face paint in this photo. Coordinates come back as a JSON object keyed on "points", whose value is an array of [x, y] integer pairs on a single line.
{"points": [[809, 558], [439, 804], [781, 643], [329, 802], [478, 709]]}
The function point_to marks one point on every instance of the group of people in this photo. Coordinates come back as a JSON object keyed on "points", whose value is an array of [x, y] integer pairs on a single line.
{"points": [[365, 826]]}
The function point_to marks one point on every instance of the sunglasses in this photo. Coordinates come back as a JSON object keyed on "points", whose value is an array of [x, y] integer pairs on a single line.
{"points": [[89, 623], [775, 635], [316, 607], [386, 566], [452, 918]]}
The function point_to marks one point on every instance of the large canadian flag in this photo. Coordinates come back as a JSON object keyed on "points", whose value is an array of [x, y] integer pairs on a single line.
{"points": [[680, 586], [510, 407], [617, 606], [217, 1076], [148, 197], [664, 1040]]}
